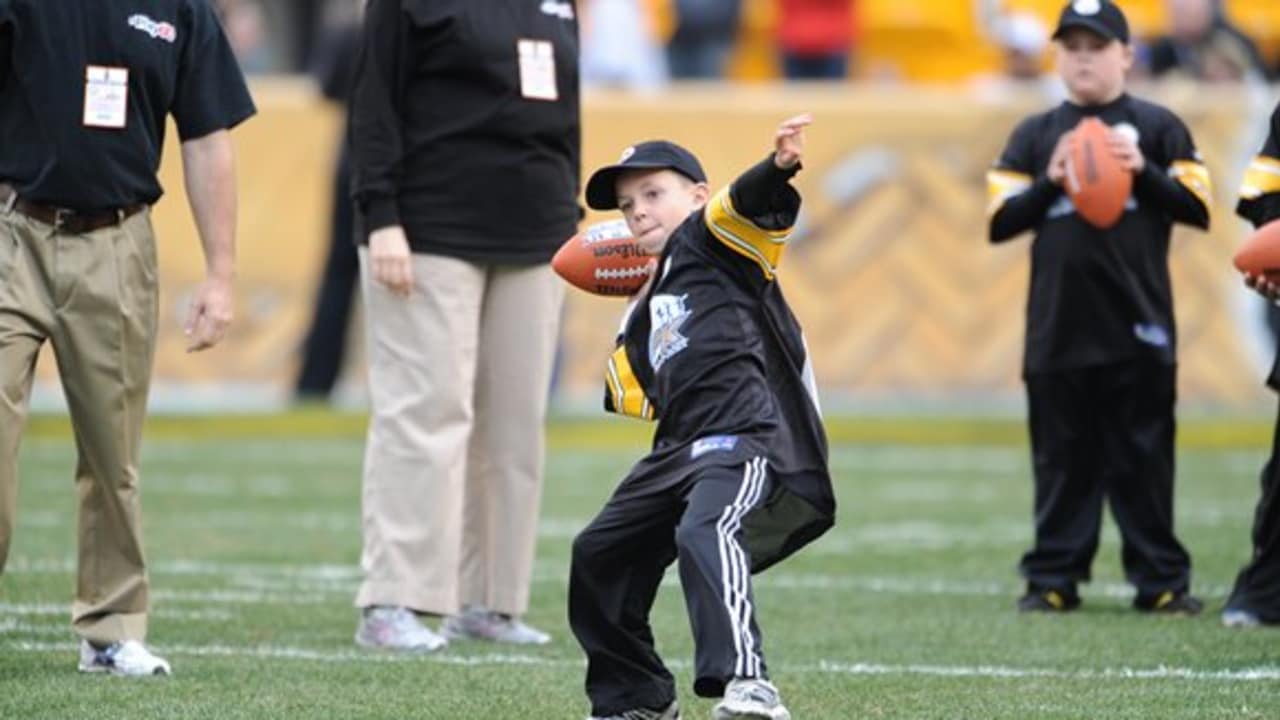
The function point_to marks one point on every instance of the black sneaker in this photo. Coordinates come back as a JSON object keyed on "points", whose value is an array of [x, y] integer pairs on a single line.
{"points": [[1180, 603], [1048, 600]]}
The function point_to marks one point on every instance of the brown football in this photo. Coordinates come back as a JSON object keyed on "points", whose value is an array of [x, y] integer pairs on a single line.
{"points": [[1097, 184], [1260, 253], [603, 259]]}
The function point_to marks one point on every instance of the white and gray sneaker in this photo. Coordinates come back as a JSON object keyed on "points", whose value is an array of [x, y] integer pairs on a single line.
{"points": [[479, 623], [750, 699], [396, 628], [127, 659], [671, 712]]}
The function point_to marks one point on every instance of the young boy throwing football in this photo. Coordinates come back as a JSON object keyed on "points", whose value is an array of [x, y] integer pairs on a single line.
{"points": [[737, 478]]}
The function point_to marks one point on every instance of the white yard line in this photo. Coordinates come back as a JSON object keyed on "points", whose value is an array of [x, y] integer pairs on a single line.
{"points": [[247, 583], [824, 667]]}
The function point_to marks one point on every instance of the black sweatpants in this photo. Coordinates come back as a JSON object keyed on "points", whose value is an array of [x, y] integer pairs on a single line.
{"points": [[1257, 586], [652, 519], [1100, 433]]}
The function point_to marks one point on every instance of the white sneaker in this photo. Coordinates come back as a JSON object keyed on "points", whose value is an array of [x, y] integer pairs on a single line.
{"points": [[672, 712], [1238, 618], [128, 659], [479, 623], [396, 628], [750, 699]]}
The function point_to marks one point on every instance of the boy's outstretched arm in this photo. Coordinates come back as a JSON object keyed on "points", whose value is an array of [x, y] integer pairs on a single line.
{"points": [[754, 215], [763, 193]]}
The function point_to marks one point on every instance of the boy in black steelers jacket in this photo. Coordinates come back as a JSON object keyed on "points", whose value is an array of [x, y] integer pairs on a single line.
{"points": [[737, 478], [1255, 599], [1100, 362]]}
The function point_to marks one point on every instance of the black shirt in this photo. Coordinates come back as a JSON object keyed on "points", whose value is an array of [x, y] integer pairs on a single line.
{"points": [[1099, 296], [446, 140], [713, 352], [178, 63], [1260, 198]]}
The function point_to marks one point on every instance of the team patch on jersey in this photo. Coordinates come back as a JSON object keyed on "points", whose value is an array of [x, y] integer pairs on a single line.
{"points": [[1152, 334], [667, 313], [159, 30], [712, 443]]}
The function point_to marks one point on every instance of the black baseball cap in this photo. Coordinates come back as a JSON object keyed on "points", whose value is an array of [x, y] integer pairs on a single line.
{"points": [[602, 188], [1100, 16]]}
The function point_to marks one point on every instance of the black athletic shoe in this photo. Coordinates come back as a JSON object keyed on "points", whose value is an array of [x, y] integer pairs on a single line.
{"points": [[1048, 600], [1181, 603]]}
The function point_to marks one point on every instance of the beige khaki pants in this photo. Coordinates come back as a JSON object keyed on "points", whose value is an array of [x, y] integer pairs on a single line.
{"points": [[459, 374], [94, 297]]}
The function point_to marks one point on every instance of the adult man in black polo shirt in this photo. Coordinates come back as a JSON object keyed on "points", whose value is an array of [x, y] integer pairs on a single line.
{"points": [[85, 87]]}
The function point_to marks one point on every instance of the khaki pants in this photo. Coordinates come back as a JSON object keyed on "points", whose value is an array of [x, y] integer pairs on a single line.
{"points": [[94, 297], [459, 374]]}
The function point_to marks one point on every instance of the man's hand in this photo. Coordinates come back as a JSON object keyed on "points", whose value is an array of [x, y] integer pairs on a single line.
{"points": [[1261, 285], [1057, 170], [1124, 145], [390, 259], [788, 142], [210, 313]]}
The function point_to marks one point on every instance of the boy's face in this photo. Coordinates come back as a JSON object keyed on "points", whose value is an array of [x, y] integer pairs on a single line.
{"points": [[1092, 66], [655, 202]]}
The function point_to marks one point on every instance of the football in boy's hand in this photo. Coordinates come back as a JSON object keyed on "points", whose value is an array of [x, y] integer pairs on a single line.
{"points": [[1260, 253], [603, 259], [1098, 185]]}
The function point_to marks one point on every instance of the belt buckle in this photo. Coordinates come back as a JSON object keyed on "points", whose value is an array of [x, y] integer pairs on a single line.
{"points": [[60, 217]]}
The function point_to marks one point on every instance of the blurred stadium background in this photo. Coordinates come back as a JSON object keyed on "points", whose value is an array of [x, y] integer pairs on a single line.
{"points": [[906, 306]]}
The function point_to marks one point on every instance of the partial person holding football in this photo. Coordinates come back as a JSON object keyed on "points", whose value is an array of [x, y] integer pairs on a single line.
{"points": [[1255, 599], [737, 479], [1100, 361]]}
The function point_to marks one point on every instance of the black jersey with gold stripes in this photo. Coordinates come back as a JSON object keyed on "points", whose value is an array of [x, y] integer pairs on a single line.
{"points": [[1260, 198], [715, 355], [1260, 191], [1099, 296]]}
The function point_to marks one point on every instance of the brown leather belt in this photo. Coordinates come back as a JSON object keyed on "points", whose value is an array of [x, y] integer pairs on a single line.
{"points": [[63, 219]]}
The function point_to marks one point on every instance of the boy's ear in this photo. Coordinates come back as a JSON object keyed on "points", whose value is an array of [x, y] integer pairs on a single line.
{"points": [[1129, 56], [701, 193]]}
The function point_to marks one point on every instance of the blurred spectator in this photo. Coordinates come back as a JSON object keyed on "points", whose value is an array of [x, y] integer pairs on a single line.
{"points": [[705, 31], [1023, 40], [1204, 45], [620, 46], [815, 38], [245, 26], [325, 346]]}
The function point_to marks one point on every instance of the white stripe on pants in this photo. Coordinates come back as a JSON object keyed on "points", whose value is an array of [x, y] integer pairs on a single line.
{"points": [[458, 375]]}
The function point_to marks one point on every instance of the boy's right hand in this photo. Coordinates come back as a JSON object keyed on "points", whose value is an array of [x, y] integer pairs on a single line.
{"points": [[1057, 170], [788, 141], [389, 258], [1261, 285]]}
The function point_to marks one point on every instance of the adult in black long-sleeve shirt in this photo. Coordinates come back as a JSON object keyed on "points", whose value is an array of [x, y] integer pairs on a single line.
{"points": [[1100, 362], [465, 154]]}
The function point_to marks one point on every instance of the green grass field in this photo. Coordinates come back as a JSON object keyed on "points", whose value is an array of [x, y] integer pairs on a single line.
{"points": [[904, 610]]}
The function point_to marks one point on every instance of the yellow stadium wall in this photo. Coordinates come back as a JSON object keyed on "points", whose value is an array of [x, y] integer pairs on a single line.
{"points": [[899, 291]]}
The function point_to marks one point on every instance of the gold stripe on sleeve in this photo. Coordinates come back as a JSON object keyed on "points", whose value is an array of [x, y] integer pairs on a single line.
{"points": [[1261, 178], [627, 396], [1194, 176], [1002, 185], [761, 246]]}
